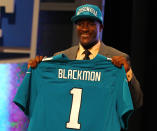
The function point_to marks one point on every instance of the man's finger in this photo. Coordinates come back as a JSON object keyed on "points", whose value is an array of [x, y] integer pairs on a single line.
{"points": [[32, 64], [116, 62], [40, 58], [37, 59], [28, 66], [29, 63]]}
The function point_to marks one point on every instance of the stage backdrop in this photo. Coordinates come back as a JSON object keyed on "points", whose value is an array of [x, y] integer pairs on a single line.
{"points": [[11, 117], [15, 31], [16, 24]]}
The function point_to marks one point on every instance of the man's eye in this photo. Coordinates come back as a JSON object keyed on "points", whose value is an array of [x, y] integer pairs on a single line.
{"points": [[92, 24], [80, 24]]}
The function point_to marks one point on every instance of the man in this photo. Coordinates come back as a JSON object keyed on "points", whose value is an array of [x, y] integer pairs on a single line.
{"points": [[89, 25]]}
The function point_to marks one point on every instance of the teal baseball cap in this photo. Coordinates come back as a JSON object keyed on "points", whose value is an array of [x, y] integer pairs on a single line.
{"points": [[87, 11]]}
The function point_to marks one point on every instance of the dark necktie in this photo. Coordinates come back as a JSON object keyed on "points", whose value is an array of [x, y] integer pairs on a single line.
{"points": [[87, 53]]}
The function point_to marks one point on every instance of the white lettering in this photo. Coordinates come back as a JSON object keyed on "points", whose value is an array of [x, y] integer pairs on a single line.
{"points": [[74, 74], [86, 74], [92, 76], [59, 73], [64, 74], [70, 74], [97, 76], [79, 75], [87, 9]]}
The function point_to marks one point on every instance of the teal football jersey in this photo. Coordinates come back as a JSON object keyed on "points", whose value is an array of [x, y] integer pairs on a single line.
{"points": [[69, 95]]}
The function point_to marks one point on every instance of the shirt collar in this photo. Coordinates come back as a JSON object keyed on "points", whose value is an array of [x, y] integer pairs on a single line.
{"points": [[94, 49]]}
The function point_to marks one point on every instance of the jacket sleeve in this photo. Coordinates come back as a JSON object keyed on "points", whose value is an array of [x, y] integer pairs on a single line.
{"points": [[136, 92], [134, 85], [135, 89]]}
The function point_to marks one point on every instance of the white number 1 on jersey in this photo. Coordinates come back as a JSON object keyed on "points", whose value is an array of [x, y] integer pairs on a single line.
{"points": [[75, 109]]}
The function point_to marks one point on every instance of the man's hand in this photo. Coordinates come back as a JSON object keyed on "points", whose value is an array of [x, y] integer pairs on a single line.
{"points": [[34, 62], [119, 61]]}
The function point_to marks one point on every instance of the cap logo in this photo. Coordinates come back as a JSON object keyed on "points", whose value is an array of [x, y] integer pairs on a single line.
{"points": [[87, 9]]}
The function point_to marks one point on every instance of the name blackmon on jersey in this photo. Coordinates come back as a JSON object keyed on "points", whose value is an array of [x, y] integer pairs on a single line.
{"points": [[79, 75]]}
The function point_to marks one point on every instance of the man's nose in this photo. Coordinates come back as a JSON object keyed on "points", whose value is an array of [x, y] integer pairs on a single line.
{"points": [[85, 26]]}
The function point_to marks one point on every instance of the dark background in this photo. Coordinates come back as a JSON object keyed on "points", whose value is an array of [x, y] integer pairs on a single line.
{"points": [[130, 26]]}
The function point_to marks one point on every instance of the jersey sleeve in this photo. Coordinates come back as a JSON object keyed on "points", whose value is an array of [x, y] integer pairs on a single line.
{"points": [[124, 103], [25, 95]]}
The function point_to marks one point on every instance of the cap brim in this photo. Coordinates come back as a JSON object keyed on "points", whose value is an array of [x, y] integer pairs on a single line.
{"points": [[76, 18]]}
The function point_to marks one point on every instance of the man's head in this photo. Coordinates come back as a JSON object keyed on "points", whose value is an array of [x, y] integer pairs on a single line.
{"points": [[89, 24]]}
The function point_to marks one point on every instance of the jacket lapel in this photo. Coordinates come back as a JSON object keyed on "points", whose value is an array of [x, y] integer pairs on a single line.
{"points": [[103, 49], [71, 53]]}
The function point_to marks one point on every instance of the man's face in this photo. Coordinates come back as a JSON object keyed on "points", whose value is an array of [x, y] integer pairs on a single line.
{"points": [[88, 31]]}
